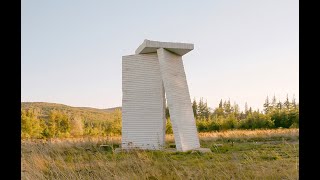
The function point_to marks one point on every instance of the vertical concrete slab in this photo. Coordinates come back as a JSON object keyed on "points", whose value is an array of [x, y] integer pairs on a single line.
{"points": [[178, 99], [143, 102]]}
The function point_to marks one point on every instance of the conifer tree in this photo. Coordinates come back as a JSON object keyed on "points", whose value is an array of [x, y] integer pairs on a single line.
{"points": [[246, 109], [227, 107], [195, 108], [294, 105], [201, 109], [220, 104], [266, 106], [219, 111], [274, 103], [236, 110], [279, 106], [206, 110], [287, 103]]}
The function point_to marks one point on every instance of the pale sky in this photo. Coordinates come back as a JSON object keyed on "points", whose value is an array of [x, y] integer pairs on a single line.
{"points": [[244, 49]]}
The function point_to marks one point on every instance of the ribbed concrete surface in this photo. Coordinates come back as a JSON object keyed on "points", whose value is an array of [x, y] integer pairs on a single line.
{"points": [[178, 99], [143, 103]]}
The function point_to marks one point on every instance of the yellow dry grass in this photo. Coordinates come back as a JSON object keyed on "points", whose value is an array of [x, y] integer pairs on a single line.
{"points": [[258, 154], [232, 134]]}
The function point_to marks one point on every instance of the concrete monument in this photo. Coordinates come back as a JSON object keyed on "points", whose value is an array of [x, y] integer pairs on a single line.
{"points": [[154, 72]]}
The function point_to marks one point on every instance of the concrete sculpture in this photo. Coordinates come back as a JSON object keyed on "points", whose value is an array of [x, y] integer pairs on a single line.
{"points": [[155, 70]]}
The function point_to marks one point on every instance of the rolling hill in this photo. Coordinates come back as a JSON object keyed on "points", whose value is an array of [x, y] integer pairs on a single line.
{"points": [[87, 113]]}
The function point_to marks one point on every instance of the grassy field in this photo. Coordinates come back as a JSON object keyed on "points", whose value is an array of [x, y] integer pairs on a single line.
{"points": [[258, 154]]}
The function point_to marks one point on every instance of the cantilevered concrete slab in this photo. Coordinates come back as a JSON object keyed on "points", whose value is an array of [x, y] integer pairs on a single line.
{"points": [[151, 47]]}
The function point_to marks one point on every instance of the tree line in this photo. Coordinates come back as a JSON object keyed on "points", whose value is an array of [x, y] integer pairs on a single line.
{"points": [[275, 114], [62, 124], [59, 124]]}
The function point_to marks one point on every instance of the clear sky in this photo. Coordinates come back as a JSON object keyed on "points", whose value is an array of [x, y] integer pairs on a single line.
{"points": [[244, 49]]}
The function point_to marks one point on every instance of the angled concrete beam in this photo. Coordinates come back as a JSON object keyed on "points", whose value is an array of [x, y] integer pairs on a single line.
{"points": [[178, 99]]}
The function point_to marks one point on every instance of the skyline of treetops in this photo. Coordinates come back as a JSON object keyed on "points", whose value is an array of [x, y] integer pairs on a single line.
{"points": [[46, 120]]}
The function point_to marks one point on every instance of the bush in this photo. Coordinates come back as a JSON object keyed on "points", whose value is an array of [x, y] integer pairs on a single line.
{"points": [[169, 127], [230, 122], [202, 125], [31, 125], [256, 121]]}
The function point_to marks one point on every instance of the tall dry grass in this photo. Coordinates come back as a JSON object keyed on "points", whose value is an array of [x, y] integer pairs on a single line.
{"points": [[83, 158], [250, 134], [229, 134]]}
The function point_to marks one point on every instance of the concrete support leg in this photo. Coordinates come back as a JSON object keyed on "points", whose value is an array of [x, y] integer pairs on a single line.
{"points": [[178, 99]]}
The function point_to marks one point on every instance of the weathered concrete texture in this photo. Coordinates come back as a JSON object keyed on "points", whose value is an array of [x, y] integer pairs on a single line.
{"points": [[178, 99], [143, 102], [151, 47]]}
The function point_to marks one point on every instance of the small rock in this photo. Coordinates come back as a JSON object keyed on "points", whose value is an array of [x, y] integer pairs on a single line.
{"points": [[202, 150], [117, 150], [218, 145], [106, 147]]}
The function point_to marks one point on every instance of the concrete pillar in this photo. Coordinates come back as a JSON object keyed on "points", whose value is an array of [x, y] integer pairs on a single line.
{"points": [[143, 102]]}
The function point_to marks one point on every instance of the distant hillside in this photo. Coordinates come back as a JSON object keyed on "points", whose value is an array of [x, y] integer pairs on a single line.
{"points": [[112, 109], [87, 113]]}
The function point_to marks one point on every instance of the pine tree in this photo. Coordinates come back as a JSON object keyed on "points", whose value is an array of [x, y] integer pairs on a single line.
{"points": [[250, 110], [227, 107], [201, 109], [279, 106], [220, 104], [266, 106], [195, 108], [287, 103], [219, 111], [294, 104], [206, 111], [236, 111], [274, 103], [246, 108]]}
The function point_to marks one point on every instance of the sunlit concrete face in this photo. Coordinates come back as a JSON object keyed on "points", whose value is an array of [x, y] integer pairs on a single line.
{"points": [[155, 69], [143, 102]]}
